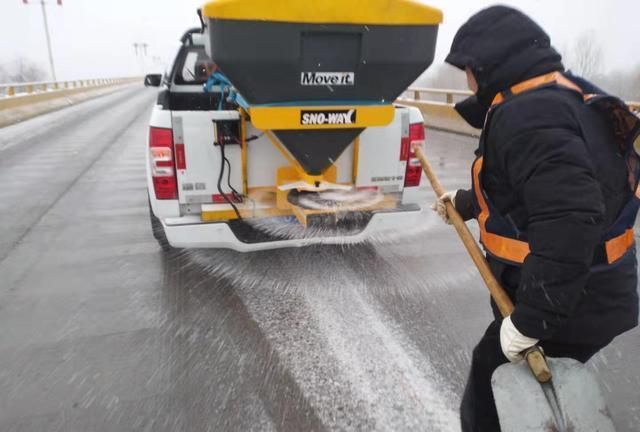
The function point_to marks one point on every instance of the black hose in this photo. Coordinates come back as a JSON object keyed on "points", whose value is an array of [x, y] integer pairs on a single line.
{"points": [[253, 137], [235, 193], [222, 167]]}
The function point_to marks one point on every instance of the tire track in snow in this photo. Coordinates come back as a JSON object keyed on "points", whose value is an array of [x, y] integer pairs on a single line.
{"points": [[401, 388], [355, 369]]}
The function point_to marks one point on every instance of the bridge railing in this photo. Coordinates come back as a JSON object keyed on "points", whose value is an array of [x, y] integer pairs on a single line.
{"points": [[29, 88], [436, 95], [437, 107], [22, 101]]}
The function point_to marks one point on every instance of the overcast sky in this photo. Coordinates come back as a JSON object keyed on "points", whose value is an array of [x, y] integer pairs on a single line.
{"points": [[94, 38]]}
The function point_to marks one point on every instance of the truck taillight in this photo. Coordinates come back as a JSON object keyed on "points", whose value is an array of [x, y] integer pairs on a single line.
{"points": [[414, 169], [162, 163]]}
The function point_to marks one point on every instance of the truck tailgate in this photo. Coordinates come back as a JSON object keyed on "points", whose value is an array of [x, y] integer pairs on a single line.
{"points": [[199, 172], [379, 163]]}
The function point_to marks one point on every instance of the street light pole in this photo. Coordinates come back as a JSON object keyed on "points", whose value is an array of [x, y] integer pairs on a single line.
{"points": [[46, 30], [43, 4]]}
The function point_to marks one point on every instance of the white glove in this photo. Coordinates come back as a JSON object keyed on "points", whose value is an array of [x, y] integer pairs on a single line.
{"points": [[441, 208], [513, 342]]}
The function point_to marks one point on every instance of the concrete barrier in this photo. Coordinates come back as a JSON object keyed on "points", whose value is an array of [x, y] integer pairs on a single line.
{"points": [[25, 101]]}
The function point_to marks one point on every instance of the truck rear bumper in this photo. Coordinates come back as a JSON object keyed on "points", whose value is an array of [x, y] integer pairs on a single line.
{"points": [[189, 233]]}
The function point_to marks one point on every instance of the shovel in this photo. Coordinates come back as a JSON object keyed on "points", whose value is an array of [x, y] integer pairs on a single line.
{"points": [[540, 394]]}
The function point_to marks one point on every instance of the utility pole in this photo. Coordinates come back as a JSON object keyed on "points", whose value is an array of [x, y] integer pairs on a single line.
{"points": [[141, 54], [46, 31]]}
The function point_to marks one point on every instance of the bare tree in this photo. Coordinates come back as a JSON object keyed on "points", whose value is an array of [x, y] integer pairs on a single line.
{"points": [[622, 83], [586, 56], [25, 70]]}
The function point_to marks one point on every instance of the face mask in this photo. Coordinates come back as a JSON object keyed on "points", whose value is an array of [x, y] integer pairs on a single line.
{"points": [[473, 112]]}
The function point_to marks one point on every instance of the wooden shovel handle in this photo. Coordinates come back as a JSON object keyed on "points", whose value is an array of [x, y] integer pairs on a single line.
{"points": [[497, 292], [534, 357], [538, 364]]}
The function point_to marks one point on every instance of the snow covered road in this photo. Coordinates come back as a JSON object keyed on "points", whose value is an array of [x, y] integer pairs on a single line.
{"points": [[105, 332]]}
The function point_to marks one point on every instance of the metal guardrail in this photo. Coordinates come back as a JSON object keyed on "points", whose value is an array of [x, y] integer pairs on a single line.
{"points": [[18, 89]]}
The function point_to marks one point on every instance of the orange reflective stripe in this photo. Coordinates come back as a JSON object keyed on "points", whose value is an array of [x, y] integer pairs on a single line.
{"points": [[502, 247], [617, 247], [484, 208], [564, 82], [550, 78], [515, 251], [497, 100]]}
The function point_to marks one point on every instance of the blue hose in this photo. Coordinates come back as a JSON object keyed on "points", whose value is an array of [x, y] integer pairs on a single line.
{"points": [[220, 80]]}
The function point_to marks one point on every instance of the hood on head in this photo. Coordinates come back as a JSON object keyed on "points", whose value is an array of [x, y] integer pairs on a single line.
{"points": [[502, 47]]}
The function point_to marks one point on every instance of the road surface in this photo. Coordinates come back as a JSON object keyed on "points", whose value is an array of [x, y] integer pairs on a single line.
{"points": [[102, 331]]}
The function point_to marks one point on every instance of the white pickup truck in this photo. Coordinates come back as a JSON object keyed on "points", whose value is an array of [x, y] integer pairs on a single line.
{"points": [[204, 195]]}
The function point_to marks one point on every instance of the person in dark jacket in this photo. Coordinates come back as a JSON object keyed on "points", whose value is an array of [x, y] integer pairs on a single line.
{"points": [[553, 199]]}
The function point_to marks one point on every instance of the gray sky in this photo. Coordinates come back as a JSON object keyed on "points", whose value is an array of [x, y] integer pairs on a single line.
{"points": [[94, 38]]}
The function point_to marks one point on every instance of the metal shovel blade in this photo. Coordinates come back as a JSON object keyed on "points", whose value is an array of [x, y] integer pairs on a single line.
{"points": [[571, 402]]}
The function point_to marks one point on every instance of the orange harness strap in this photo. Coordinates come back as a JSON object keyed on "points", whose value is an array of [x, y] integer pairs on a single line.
{"points": [[539, 81], [513, 250], [502, 247], [617, 247], [516, 251]]}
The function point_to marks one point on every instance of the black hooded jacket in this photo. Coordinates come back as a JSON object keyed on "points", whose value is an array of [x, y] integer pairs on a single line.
{"points": [[551, 167]]}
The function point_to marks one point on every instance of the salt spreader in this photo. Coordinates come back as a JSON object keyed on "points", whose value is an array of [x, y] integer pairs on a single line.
{"points": [[305, 125]]}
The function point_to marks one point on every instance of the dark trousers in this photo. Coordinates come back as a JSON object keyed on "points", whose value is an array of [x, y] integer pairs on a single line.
{"points": [[478, 410]]}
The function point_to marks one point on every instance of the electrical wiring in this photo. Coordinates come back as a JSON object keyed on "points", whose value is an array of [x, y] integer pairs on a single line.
{"points": [[223, 163]]}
